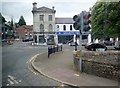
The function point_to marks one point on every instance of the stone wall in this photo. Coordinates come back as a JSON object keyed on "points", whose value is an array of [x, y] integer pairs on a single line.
{"points": [[103, 64]]}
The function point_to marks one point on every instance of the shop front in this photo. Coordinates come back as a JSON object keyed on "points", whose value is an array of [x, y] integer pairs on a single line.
{"points": [[66, 37]]}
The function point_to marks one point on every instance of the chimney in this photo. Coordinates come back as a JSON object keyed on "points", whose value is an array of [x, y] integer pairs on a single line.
{"points": [[34, 6], [53, 8]]}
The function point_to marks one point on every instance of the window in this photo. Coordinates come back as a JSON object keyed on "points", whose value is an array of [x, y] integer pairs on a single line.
{"points": [[50, 18], [41, 27], [41, 17], [64, 27], [57, 26], [50, 27], [71, 27]]}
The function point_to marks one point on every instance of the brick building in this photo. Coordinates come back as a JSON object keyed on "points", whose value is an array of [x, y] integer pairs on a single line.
{"points": [[25, 32]]}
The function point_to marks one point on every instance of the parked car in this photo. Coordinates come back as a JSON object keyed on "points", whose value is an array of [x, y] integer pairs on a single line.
{"points": [[73, 43], [108, 43], [95, 46], [25, 40], [117, 45]]}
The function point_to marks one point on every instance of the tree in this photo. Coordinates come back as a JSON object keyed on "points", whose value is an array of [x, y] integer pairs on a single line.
{"points": [[105, 20], [21, 21], [2, 19]]}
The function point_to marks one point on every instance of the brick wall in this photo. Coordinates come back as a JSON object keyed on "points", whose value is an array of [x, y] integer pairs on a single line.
{"points": [[103, 64]]}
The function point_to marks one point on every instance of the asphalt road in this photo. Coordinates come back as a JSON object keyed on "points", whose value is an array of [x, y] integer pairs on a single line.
{"points": [[15, 69]]}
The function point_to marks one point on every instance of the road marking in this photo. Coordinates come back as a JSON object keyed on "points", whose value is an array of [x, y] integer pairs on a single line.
{"points": [[20, 80], [30, 61], [7, 84], [12, 80], [76, 74]]}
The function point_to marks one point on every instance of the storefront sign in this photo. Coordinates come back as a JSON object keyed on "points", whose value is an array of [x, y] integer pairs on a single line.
{"points": [[68, 33]]}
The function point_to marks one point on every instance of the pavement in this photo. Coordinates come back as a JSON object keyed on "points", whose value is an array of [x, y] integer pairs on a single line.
{"points": [[60, 67]]}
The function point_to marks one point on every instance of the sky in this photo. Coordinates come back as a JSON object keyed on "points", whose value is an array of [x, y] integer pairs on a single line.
{"points": [[64, 8]]}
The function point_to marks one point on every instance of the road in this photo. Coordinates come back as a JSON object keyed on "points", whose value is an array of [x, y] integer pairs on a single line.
{"points": [[15, 69]]}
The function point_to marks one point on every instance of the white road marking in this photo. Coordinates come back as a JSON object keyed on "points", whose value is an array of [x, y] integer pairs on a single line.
{"points": [[20, 80], [76, 74], [12, 79], [62, 85], [30, 61], [11, 82], [7, 84]]}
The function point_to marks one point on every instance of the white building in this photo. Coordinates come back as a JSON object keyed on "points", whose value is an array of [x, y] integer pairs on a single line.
{"points": [[47, 28], [65, 30], [43, 24]]}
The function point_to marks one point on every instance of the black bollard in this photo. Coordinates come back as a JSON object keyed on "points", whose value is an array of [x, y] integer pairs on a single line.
{"points": [[48, 52], [57, 48], [75, 46], [61, 47]]}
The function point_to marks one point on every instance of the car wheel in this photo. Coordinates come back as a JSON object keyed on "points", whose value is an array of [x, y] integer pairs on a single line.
{"points": [[106, 49]]}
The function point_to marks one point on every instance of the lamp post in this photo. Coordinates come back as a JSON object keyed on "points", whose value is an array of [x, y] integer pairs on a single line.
{"points": [[76, 43], [43, 29]]}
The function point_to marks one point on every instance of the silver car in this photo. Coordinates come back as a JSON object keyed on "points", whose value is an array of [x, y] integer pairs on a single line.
{"points": [[117, 45]]}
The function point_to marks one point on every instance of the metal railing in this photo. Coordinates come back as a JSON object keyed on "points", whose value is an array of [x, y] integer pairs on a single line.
{"points": [[53, 49]]}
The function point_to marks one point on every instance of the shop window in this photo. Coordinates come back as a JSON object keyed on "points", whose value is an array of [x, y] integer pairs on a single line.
{"points": [[64, 27], [71, 27]]}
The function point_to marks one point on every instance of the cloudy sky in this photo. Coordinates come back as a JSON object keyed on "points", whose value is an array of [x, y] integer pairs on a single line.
{"points": [[64, 8]]}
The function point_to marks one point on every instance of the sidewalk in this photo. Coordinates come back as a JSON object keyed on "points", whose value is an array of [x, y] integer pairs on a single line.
{"points": [[60, 67]]}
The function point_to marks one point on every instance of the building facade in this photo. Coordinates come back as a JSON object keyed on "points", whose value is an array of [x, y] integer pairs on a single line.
{"points": [[43, 24], [65, 31], [49, 29], [25, 32]]}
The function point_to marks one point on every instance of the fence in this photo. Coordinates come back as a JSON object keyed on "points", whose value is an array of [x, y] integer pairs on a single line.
{"points": [[53, 49]]}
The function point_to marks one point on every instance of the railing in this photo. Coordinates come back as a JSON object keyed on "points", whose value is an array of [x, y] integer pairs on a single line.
{"points": [[53, 49]]}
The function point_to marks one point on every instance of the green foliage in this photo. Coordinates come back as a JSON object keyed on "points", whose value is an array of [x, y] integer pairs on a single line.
{"points": [[21, 21], [2, 19], [105, 20]]}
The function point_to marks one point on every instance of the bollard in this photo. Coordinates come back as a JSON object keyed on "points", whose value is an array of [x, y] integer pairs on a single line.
{"points": [[49, 51], [53, 49], [75, 46], [57, 48], [61, 47]]}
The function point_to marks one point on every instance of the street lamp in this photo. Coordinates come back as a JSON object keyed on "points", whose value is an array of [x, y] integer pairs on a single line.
{"points": [[43, 29]]}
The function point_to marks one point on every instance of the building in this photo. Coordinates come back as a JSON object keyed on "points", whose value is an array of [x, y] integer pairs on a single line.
{"points": [[44, 24], [25, 32], [50, 29], [65, 31], [3, 28]]}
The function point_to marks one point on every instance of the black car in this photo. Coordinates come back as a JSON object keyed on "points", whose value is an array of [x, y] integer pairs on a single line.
{"points": [[95, 46]]}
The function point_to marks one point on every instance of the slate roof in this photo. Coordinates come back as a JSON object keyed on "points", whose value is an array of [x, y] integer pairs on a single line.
{"points": [[44, 9], [64, 20]]}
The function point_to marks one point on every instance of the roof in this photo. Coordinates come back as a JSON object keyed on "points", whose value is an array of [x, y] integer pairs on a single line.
{"points": [[64, 20], [44, 9], [24, 28]]}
